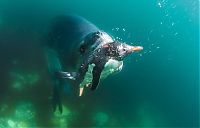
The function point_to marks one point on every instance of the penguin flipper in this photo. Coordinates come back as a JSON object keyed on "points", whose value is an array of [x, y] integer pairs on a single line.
{"points": [[96, 76], [68, 75]]}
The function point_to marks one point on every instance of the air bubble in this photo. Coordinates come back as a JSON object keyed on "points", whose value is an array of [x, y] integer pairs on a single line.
{"points": [[176, 33], [159, 4]]}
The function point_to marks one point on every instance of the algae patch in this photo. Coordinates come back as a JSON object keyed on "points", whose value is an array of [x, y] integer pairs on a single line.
{"points": [[20, 80]]}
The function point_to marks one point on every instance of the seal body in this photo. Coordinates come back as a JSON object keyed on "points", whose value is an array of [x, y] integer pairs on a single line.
{"points": [[87, 54], [65, 38], [70, 43]]}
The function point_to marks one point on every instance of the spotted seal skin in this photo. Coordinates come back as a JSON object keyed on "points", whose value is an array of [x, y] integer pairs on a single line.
{"points": [[87, 54]]}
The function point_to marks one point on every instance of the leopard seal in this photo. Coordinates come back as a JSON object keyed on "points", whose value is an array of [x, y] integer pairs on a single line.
{"points": [[79, 51]]}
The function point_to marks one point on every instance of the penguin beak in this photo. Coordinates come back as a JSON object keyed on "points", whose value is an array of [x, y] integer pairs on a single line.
{"points": [[136, 48]]}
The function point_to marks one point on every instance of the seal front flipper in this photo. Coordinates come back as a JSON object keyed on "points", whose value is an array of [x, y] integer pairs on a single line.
{"points": [[56, 101], [96, 76], [53, 67]]}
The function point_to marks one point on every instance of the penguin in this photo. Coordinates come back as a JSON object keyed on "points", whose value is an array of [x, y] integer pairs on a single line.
{"points": [[106, 60], [83, 54]]}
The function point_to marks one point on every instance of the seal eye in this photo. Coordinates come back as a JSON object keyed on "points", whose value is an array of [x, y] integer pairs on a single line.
{"points": [[82, 49]]}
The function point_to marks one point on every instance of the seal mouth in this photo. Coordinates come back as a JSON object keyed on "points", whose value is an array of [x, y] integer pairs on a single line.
{"points": [[136, 48]]}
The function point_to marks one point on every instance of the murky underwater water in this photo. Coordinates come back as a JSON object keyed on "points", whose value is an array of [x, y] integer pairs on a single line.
{"points": [[158, 87]]}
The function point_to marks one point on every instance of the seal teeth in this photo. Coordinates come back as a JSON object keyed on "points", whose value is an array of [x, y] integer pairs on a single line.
{"points": [[81, 91]]}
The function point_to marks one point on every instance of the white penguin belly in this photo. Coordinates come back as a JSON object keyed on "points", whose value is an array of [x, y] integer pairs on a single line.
{"points": [[112, 66]]}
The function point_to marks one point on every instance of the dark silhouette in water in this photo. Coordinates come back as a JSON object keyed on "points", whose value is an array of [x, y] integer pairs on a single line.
{"points": [[76, 45]]}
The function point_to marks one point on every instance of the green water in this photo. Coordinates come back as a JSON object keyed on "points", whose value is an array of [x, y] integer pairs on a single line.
{"points": [[158, 87]]}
